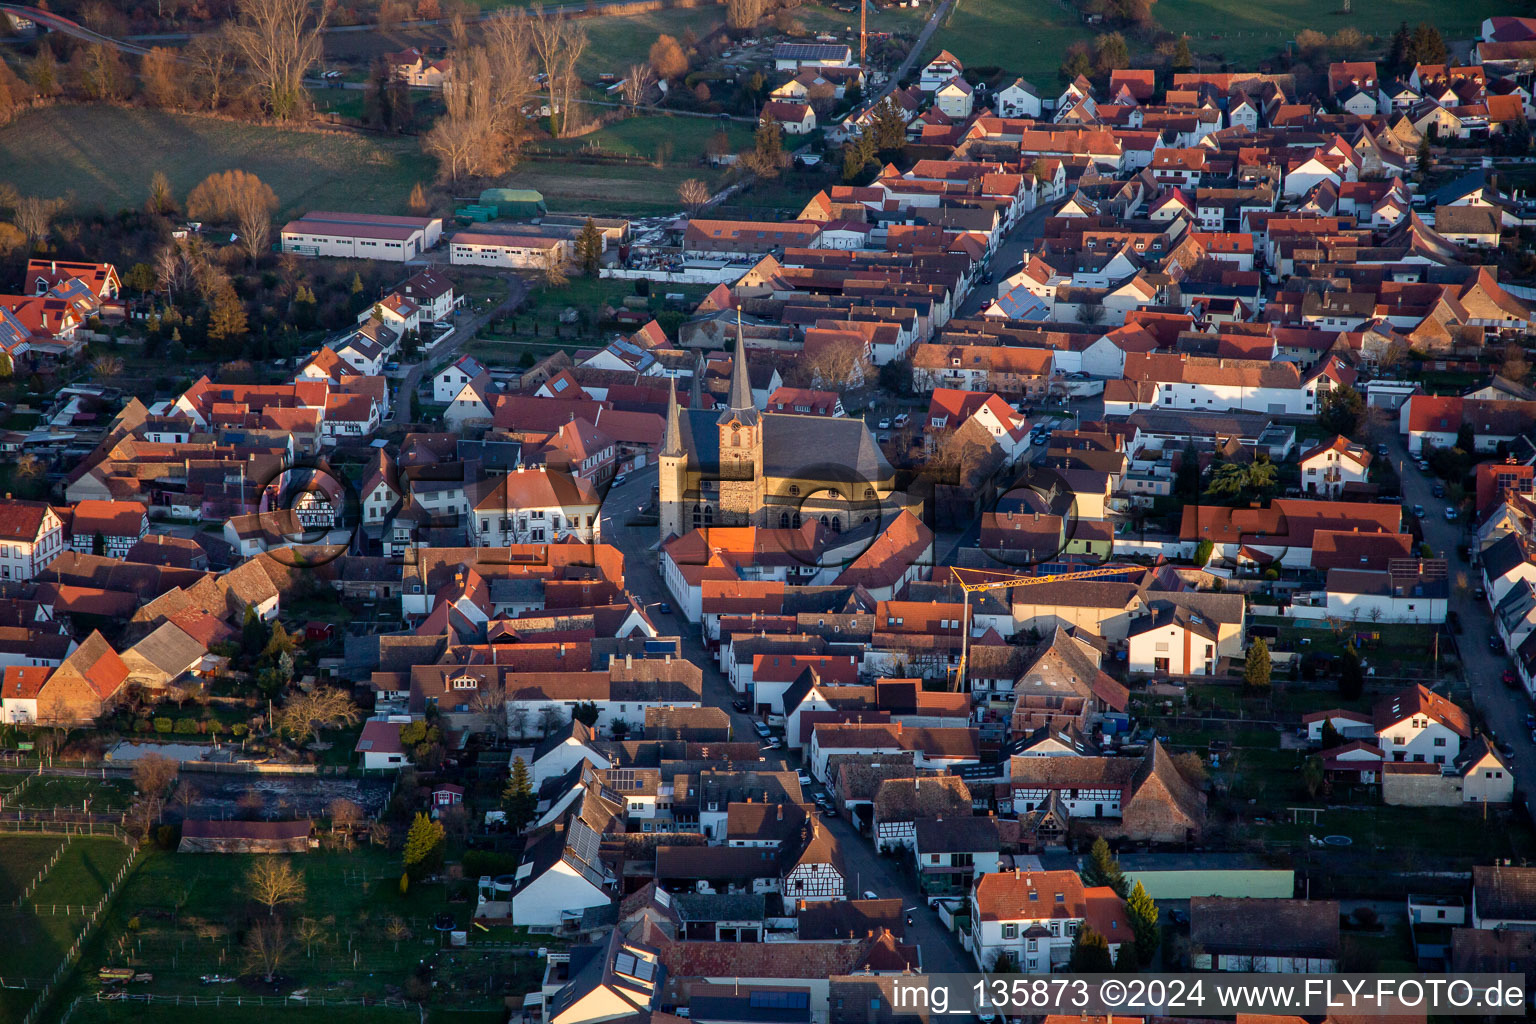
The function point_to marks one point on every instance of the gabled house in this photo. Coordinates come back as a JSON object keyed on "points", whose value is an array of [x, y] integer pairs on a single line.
{"points": [[952, 852], [1034, 917], [901, 803], [1417, 724], [1327, 468]]}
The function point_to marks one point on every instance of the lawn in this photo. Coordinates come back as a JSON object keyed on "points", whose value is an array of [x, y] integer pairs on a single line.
{"points": [[21, 858], [1242, 32], [40, 931], [683, 137], [72, 792], [1029, 39], [1022, 39], [185, 915], [616, 43], [82, 874], [619, 189], [1439, 836], [103, 157]]}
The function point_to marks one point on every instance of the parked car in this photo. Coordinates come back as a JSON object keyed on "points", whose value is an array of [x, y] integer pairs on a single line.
{"points": [[666, 609], [1437, 489], [1382, 451], [901, 420], [1510, 679], [805, 780], [1495, 644], [885, 424], [742, 706], [1450, 514], [870, 894], [1418, 511]]}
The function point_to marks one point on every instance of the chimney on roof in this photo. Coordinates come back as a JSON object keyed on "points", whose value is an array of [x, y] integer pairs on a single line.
{"points": [[629, 660]]}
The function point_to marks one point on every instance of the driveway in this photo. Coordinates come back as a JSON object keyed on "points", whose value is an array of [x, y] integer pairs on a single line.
{"points": [[1503, 709]]}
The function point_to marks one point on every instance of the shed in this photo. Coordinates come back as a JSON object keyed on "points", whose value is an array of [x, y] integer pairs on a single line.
{"points": [[245, 836], [514, 202]]}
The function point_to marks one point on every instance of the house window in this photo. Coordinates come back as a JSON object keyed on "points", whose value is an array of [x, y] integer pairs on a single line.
{"points": [[1033, 947], [1010, 931]]}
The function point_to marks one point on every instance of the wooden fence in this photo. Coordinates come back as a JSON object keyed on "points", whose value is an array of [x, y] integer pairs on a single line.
{"points": [[72, 955]]}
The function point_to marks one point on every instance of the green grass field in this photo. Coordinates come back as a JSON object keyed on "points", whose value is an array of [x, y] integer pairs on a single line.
{"points": [[82, 874], [1242, 32], [616, 43], [181, 916], [21, 858], [1029, 39], [39, 932], [645, 136], [70, 792], [103, 158], [1023, 39], [632, 189]]}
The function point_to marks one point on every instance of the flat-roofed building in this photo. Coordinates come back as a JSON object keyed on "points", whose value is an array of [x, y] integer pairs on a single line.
{"points": [[370, 236]]}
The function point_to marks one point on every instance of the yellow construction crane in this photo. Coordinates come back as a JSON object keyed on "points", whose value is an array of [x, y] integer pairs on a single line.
{"points": [[976, 580]]}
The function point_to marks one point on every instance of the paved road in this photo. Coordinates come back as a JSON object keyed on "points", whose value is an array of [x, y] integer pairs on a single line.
{"points": [[929, 28], [643, 579], [1503, 709], [1023, 238], [941, 950], [465, 328]]}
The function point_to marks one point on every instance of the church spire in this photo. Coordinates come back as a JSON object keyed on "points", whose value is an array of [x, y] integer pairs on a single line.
{"points": [[741, 385], [672, 442]]}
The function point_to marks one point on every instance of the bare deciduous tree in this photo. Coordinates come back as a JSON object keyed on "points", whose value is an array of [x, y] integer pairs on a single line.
{"points": [[324, 707], [161, 74], [267, 947], [554, 268], [638, 83], [490, 705], [280, 42], [837, 364], [213, 65], [694, 194], [310, 932], [272, 881], [107, 367], [34, 215], [396, 930], [153, 775], [559, 43], [238, 197]]}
